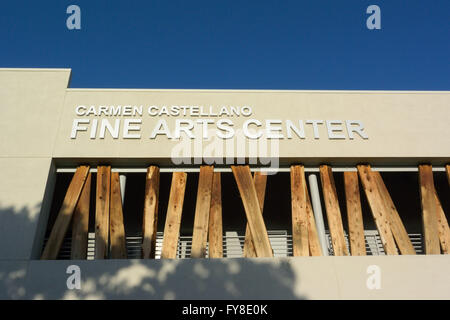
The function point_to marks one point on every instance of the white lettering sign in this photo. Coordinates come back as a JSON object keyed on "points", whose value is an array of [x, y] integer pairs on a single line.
{"points": [[141, 122]]}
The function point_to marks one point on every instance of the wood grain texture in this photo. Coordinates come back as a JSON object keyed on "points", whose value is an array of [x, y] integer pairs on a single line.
{"points": [[378, 208], [354, 214], [429, 210], [333, 211], [300, 237], [150, 215], [215, 232], [202, 208], [447, 169], [118, 249], [260, 181], [255, 220], [313, 236], [102, 205], [398, 230], [443, 228], [173, 218], [80, 223], [65, 214]]}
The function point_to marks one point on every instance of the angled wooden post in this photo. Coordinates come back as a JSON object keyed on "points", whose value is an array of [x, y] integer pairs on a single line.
{"points": [[202, 208], [333, 211], [260, 181], [118, 249], [399, 232], [300, 237], [447, 169], [173, 218], [430, 211], [64, 217], [80, 223], [102, 205], [444, 231], [354, 214], [150, 215], [378, 208], [249, 197], [315, 248], [215, 232]]}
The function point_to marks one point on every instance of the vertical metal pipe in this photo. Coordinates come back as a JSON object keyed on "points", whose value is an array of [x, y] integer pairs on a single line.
{"points": [[123, 181], [317, 208]]}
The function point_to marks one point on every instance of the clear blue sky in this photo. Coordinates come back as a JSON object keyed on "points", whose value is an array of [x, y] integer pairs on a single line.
{"points": [[232, 44]]}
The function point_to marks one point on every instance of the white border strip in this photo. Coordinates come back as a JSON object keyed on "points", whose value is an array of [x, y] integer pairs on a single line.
{"points": [[284, 169]]}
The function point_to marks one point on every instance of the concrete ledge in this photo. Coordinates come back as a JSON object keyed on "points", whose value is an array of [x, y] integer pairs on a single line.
{"points": [[401, 277]]}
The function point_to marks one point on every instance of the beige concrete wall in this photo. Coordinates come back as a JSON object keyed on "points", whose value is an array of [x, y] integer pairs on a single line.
{"points": [[23, 209], [31, 102], [401, 277], [400, 125], [36, 113]]}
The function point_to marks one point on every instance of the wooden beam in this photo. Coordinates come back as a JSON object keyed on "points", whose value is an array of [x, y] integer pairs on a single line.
{"points": [[202, 208], [444, 231], [118, 249], [313, 236], [333, 211], [249, 197], [300, 235], [102, 211], [260, 181], [80, 223], [150, 216], [429, 210], [215, 232], [173, 218], [354, 214], [378, 208], [447, 169], [64, 217], [398, 230]]}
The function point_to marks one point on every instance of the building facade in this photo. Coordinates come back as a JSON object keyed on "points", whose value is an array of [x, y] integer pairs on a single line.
{"points": [[221, 194]]}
